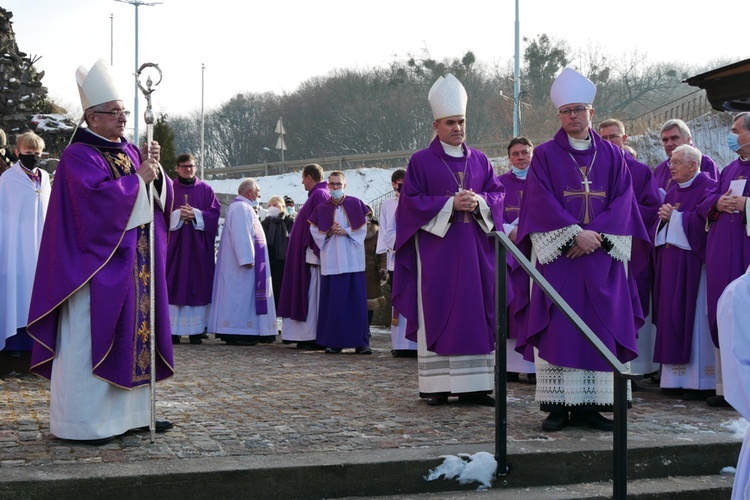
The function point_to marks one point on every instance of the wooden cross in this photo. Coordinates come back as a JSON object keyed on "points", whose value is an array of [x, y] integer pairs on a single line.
{"points": [[586, 194]]}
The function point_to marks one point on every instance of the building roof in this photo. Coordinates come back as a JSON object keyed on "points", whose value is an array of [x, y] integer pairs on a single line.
{"points": [[727, 88]]}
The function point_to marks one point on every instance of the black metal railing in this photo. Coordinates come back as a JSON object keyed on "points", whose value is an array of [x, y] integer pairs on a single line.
{"points": [[621, 374]]}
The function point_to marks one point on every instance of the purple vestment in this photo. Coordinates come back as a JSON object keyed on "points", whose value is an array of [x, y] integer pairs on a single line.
{"points": [[728, 246], [354, 209], [596, 286], [458, 270], [190, 263], [664, 177], [85, 241], [677, 276], [647, 196], [296, 281], [518, 280]]}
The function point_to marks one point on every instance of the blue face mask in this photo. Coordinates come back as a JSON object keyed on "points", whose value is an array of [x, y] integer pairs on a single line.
{"points": [[289, 210], [733, 141], [253, 203], [521, 174], [336, 194]]}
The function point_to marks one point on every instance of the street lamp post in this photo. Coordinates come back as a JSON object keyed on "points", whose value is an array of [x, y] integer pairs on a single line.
{"points": [[203, 121], [136, 4]]}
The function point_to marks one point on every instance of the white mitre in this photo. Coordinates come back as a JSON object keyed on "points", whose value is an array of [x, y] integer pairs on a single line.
{"points": [[97, 85], [447, 97], [571, 87]]}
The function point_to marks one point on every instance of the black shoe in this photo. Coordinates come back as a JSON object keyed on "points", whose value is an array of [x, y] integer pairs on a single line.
{"points": [[203, 336], [333, 350], [697, 395], [267, 339], [195, 339], [175, 339], [531, 377], [404, 353], [160, 425], [307, 345], [717, 401], [592, 419], [437, 401], [512, 377], [671, 391], [93, 442], [244, 342], [479, 399], [555, 421], [363, 350]]}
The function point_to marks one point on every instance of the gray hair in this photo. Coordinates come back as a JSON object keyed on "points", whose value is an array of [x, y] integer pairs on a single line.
{"points": [[246, 185], [745, 116], [690, 153], [676, 122]]}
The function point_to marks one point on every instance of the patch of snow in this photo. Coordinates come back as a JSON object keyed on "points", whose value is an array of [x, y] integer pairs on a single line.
{"points": [[480, 467], [737, 427]]}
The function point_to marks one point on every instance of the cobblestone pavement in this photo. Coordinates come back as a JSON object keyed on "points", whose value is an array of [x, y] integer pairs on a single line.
{"points": [[274, 399]]}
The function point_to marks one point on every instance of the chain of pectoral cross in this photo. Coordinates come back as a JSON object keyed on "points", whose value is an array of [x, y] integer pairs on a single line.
{"points": [[585, 192], [459, 178]]}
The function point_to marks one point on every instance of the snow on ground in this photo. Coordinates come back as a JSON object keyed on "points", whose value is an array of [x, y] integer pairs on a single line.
{"points": [[737, 427], [479, 467], [366, 184]]}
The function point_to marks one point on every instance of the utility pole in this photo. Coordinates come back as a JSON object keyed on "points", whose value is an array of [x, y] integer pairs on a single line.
{"points": [[136, 4]]}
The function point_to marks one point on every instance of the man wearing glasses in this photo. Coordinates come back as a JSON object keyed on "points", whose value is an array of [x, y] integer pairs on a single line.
{"points": [[675, 133], [193, 226], [339, 227], [90, 314], [580, 218]]}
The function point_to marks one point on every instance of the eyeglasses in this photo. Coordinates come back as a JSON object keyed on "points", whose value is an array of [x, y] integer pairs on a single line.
{"points": [[577, 110], [335, 184], [186, 166], [611, 137], [115, 113]]}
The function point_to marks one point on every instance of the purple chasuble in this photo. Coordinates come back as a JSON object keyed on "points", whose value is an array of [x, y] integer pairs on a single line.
{"points": [[647, 196], [518, 280], [354, 210], [85, 241], [664, 177], [677, 276], [296, 281], [595, 285], [728, 246], [458, 270], [190, 262]]}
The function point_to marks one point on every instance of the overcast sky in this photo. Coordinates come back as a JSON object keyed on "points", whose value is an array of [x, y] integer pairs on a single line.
{"points": [[259, 46]]}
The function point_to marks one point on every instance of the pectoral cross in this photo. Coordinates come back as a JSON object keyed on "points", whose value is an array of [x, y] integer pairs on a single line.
{"points": [[586, 194], [460, 187], [466, 214], [187, 197]]}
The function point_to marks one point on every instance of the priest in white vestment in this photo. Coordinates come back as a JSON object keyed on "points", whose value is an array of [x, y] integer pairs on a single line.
{"points": [[733, 321], [24, 196], [242, 306]]}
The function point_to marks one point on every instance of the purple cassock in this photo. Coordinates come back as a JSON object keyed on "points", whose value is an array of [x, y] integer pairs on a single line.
{"points": [[85, 241], [647, 196], [596, 286], [296, 281], [678, 274], [728, 246], [664, 176], [518, 280], [458, 270], [342, 310], [190, 263]]}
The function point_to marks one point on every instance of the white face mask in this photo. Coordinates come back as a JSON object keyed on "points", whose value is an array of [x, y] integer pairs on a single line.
{"points": [[273, 211]]}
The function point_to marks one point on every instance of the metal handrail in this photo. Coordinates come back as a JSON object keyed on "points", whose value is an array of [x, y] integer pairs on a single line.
{"points": [[621, 374]]}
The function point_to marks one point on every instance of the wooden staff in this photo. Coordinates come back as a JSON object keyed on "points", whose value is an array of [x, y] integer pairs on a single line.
{"points": [[148, 116]]}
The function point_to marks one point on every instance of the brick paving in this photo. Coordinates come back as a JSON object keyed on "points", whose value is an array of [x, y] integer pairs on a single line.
{"points": [[230, 401]]}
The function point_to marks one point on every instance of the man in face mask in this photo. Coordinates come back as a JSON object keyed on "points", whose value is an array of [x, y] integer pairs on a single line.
{"points": [[728, 245], [339, 227], [24, 196]]}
